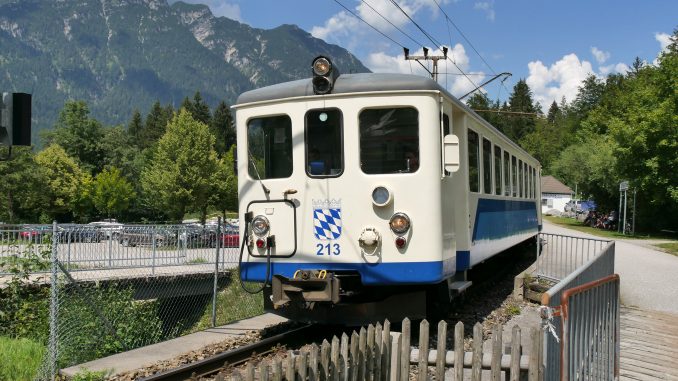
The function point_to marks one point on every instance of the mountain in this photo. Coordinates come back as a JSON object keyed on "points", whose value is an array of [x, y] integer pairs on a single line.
{"points": [[119, 55]]}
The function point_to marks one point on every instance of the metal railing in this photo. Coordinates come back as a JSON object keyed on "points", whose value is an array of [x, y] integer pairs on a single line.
{"points": [[590, 346], [156, 248], [559, 255], [589, 260]]}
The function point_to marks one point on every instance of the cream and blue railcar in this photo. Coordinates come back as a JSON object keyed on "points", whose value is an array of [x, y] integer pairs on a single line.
{"points": [[367, 196]]}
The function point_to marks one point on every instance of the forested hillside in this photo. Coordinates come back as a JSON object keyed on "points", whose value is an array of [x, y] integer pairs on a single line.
{"points": [[121, 55]]}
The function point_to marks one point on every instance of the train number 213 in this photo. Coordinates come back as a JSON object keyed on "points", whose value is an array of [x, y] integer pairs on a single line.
{"points": [[328, 249]]}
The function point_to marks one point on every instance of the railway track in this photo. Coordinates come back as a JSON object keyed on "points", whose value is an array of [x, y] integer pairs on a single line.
{"points": [[481, 299], [238, 356]]}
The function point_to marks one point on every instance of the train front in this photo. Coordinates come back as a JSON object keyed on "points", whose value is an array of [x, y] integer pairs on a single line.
{"points": [[328, 182]]}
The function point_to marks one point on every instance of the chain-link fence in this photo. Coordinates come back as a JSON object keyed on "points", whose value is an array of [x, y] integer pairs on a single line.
{"points": [[98, 290]]}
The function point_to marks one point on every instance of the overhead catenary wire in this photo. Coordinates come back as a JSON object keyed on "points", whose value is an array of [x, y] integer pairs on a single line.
{"points": [[370, 25], [432, 39], [392, 24], [461, 33]]}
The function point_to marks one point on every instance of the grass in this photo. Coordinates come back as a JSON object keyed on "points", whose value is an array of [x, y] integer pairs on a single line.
{"points": [[19, 359], [575, 224], [670, 247], [233, 303]]}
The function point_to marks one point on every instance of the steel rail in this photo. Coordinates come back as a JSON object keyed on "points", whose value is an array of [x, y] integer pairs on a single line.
{"points": [[235, 356]]}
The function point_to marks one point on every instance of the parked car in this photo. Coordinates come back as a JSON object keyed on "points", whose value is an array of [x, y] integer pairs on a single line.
{"points": [[135, 236], [110, 228], [73, 233], [35, 232], [195, 235], [230, 237]]}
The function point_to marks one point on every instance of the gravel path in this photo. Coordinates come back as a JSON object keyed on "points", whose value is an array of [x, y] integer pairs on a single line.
{"points": [[649, 277]]}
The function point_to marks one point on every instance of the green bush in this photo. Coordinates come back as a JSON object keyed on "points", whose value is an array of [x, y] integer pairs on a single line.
{"points": [[117, 323]]}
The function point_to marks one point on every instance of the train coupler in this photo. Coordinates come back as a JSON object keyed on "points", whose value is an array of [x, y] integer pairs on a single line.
{"points": [[306, 286]]}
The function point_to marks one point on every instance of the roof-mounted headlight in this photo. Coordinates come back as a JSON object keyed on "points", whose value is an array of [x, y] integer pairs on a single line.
{"points": [[324, 74], [321, 66]]}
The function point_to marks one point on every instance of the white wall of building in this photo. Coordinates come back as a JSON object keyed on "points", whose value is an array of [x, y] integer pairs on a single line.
{"points": [[554, 201]]}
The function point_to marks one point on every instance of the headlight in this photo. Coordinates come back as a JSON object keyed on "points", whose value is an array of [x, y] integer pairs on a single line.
{"points": [[321, 66], [381, 196], [260, 225], [400, 223]]}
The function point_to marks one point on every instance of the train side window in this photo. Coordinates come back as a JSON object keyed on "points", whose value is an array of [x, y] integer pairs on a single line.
{"points": [[534, 183], [269, 142], [514, 178], [497, 170], [528, 180], [521, 191], [324, 143], [507, 174], [389, 140], [487, 166], [473, 161]]}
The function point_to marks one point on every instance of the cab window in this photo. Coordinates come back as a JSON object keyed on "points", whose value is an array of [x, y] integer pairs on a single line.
{"points": [[389, 140], [324, 143], [269, 145]]}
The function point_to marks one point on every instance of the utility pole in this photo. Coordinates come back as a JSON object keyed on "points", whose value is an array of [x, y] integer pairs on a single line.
{"points": [[426, 57]]}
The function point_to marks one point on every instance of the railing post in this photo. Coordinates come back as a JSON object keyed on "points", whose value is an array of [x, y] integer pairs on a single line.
{"points": [[110, 247], [68, 259], [216, 274], [53, 306], [153, 229]]}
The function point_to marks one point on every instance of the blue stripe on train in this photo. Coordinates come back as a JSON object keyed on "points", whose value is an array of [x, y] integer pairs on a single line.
{"points": [[497, 219], [371, 274]]}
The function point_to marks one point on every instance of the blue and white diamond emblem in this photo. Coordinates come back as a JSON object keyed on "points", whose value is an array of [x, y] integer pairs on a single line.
{"points": [[327, 223]]}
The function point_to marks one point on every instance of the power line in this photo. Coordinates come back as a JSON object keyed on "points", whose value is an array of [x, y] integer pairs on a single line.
{"points": [[370, 25], [464, 36], [392, 24], [432, 39], [450, 21]]}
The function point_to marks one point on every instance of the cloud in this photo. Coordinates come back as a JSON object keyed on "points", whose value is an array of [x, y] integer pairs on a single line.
{"points": [[343, 24], [381, 62], [614, 68], [488, 7], [664, 40], [600, 55], [563, 78], [220, 8]]}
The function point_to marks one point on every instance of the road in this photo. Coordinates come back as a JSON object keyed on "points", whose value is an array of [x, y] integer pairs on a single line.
{"points": [[649, 278]]}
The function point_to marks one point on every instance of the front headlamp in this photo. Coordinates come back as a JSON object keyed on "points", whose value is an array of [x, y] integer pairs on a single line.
{"points": [[260, 225], [399, 223]]}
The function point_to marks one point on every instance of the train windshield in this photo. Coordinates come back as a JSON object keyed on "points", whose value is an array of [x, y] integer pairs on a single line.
{"points": [[269, 142], [389, 140], [324, 143]]}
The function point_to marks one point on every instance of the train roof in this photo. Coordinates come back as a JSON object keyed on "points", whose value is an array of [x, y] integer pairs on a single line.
{"points": [[344, 84], [360, 83]]}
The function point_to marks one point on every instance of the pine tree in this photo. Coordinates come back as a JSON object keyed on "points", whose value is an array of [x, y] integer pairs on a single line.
{"points": [[201, 111], [222, 128], [156, 123], [554, 113], [136, 126], [520, 101], [187, 105]]}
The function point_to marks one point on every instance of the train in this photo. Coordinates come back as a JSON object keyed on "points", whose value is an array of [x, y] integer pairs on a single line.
{"points": [[370, 196]]}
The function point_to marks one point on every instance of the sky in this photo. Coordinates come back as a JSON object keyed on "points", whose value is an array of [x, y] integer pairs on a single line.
{"points": [[553, 45]]}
